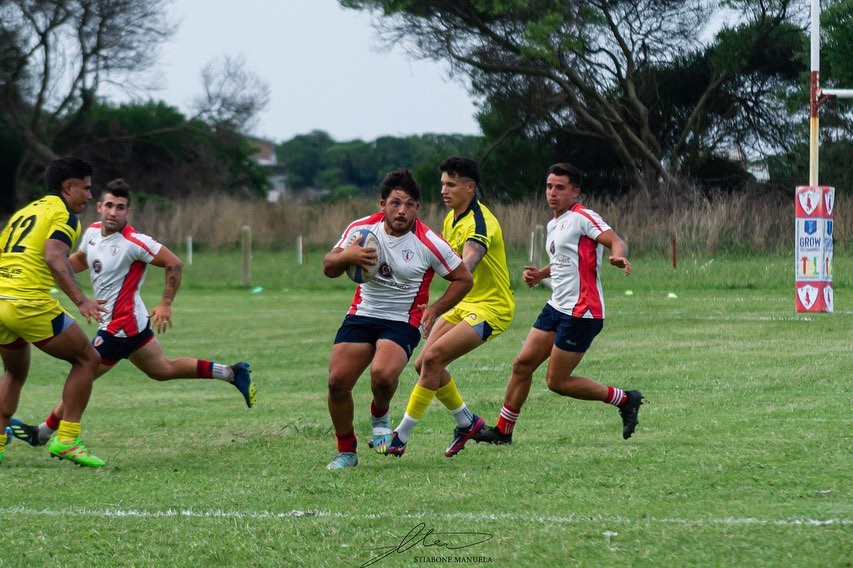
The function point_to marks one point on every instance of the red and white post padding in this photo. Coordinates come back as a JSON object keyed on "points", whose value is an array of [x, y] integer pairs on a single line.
{"points": [[813, 248]]}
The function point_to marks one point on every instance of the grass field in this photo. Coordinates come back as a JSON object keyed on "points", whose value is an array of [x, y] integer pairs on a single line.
{"points": [[742, 456]]}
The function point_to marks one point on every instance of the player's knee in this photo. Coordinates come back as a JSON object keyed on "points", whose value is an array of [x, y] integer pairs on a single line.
{"points": [[159, 374], [432, 359], [89, 359], [384, 378], [339, 388], [522, 367]]}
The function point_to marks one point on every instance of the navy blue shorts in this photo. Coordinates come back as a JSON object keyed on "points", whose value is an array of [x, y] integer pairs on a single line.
{"points": [[572, 334], [363, 329], [113, 349]]}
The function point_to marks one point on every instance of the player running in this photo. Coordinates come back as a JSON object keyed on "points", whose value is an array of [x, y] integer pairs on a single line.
{"points": [[381, 329], [574, 315], [486, 312], [34, 256], [117, 257]]}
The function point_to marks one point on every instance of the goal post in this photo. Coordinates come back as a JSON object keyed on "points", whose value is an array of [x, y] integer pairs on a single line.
{"points": [[814, 203]]}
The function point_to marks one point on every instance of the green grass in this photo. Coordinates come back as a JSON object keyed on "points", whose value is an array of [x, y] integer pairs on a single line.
{"points": [[742, 456]]}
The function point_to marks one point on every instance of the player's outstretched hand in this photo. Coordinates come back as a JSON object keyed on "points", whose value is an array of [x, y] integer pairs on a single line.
{"points": [[92, 310], [161, 318], [621, 262]]}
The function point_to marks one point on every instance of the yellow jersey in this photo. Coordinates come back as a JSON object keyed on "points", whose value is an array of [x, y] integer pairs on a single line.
{"points": [[491, 276], [24, 273]]}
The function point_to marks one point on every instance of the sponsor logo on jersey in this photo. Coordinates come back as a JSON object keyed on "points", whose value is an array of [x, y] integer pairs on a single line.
{"points": [[97, 266], [385, 270]]}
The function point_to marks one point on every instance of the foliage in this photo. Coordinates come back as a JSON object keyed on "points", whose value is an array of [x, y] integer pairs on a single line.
{"points": [[635, 79], [55, 58], [315, 160]]}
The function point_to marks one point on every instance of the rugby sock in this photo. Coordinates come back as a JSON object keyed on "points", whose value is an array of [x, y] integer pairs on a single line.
{"points": [[377, 412], [380, 416], [347, 442], [52, 422], [2, 441], [212, 370], [450, 398], [507, 419], [48, 427], [419, 401], [68, 431], [616, 397]]}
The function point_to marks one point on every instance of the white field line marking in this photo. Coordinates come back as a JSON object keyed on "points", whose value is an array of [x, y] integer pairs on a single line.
{"points": [[543, 519]]}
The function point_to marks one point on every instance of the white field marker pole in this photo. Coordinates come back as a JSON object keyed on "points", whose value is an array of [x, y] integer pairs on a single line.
{"points": [[299, 258], [246, 241], [189, 249]]}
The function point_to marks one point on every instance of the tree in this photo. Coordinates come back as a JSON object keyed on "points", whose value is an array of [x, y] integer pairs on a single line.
{"points": [[56, 54], [604, 69]]}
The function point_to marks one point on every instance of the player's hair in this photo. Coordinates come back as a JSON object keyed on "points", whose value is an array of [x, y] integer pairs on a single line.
{"points": [[400, 179], [64, 168], [568, 170], [119, 188], [461, 166]]}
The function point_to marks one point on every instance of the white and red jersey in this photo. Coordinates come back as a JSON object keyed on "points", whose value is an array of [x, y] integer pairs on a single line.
{"points": [[408, 264], [575, 258], [117, 266]]}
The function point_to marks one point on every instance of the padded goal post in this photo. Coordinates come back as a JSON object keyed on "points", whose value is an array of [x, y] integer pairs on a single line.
{"points": [[814, 203]]}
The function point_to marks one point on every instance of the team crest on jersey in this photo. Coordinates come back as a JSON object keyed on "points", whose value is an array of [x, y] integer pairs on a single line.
{"points": [[97, 266], [563, 225], [472, 316], [97, 341], [553, 249], [115, 249], [408, 254], [385, 270]]}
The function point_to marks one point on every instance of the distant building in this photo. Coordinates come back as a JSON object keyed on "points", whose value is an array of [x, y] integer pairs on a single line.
{"points": [[265, 156]]}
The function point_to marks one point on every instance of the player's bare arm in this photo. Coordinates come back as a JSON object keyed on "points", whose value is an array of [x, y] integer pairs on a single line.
{"points": [[618, 249], [336, 260], [161, 315], [461, 283], [79, 262], [56, 258], [472, 253], [533, 276]]}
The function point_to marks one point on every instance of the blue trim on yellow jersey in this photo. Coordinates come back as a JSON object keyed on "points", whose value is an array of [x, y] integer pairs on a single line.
{"points": [[479, 223], [60, 236]]}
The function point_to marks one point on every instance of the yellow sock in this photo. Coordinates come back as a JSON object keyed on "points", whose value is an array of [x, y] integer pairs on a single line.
{"points": [[68, 431], [2, 441], [419, 401], [449, 395]]}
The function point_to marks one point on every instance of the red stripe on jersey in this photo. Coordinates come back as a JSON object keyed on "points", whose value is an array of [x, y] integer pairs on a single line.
{"points": [[588, 298], [581, 210], [421, 298], [420, 231], [128, 233], [356, 301], [371, 220], [123, 317]]}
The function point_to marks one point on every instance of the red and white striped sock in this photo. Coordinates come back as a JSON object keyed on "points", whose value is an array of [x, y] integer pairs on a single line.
{"points": [[507, 419], [616, 397]]}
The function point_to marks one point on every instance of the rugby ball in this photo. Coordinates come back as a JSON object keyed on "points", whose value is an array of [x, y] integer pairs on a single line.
{"points": [[368, 240]]}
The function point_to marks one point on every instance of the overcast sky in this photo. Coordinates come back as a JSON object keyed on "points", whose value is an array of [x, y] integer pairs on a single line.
{"points": [[324, 67]]}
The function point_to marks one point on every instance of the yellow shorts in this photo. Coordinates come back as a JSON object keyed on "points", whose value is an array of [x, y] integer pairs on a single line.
{"points": [[32, 320], [484, 321]]}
